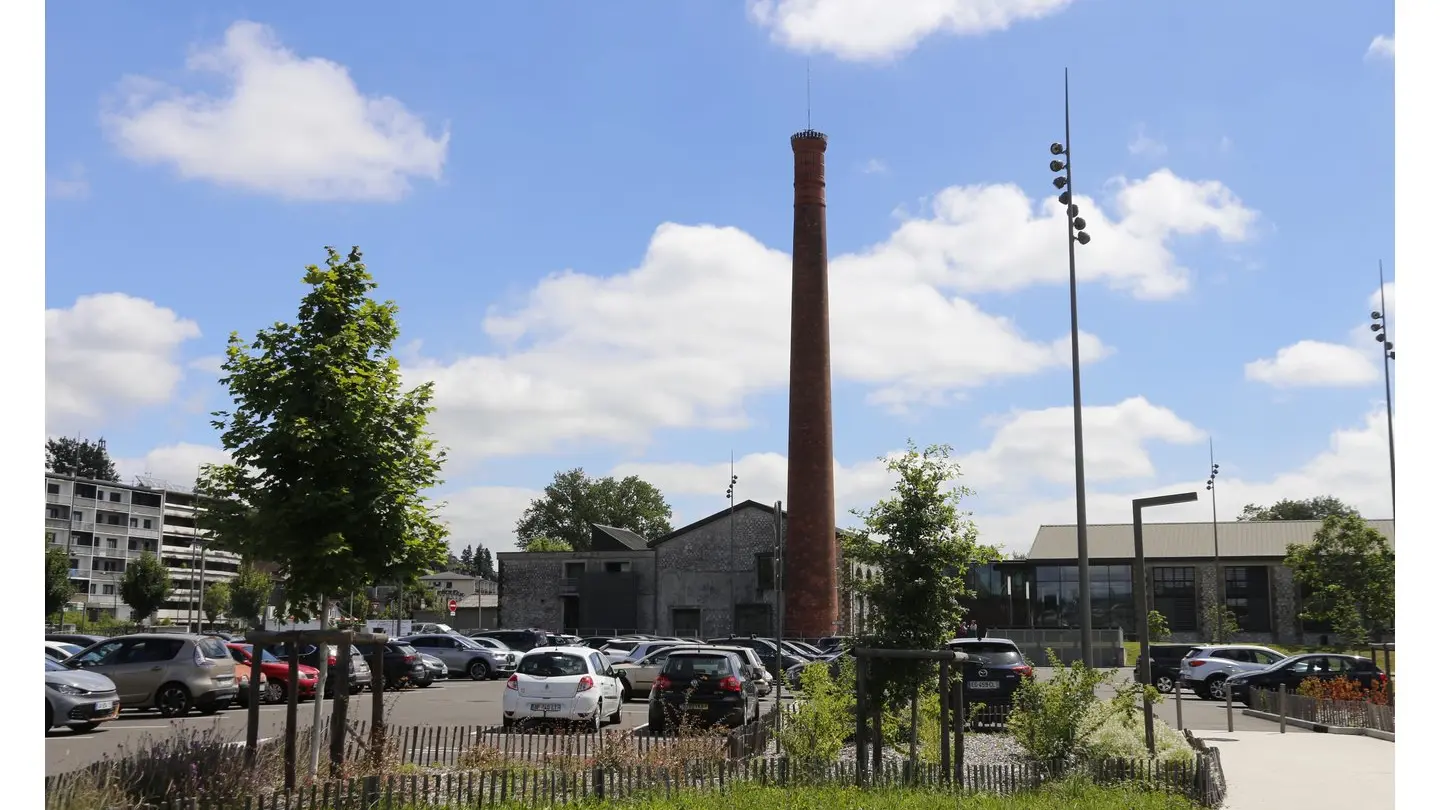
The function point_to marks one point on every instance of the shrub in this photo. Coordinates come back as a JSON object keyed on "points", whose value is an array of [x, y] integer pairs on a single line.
{"points": [[814, 734], [1341, 689], [1057, 720], [1121, 735]]}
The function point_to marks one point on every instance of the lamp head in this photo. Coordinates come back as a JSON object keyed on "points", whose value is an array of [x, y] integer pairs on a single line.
{"points": [[1083, 238], [1375, 327], [1057, 149], [1374, 316], [1380, 338], [1057, 166], [1079, 223], [1059, 182], [1064, 198]]}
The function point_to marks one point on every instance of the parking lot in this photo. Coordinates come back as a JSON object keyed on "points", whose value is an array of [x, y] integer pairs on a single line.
{"points": [[447, 703]]}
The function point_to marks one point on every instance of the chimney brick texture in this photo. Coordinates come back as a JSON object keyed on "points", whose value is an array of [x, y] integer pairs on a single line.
{"points": [[812, 597]]}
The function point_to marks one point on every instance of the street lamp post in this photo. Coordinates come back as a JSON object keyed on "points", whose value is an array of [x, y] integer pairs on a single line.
{"points": [[730, 564], [1381, 328], [1215, 529], [1075, 229], [1142, 602]]}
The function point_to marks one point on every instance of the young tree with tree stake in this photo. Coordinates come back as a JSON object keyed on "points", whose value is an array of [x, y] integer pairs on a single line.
{"points": [[1348, 573], [331, 456], [146, 586], [58, 588], [923, 545]]}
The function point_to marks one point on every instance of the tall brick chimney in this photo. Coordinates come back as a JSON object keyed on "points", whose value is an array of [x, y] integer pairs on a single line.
{"points": [[811, 597]]}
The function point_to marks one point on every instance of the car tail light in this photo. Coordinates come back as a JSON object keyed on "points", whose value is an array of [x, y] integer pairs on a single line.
{"points": [[409, 659], [1025, 671], [661, 683], [586, 684], [513, 682], [1195, 662], [330, 661], [730, 683], [201, 660]]}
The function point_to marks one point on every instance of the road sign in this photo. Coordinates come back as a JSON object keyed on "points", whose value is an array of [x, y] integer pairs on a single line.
{"points": [[452, 605]]}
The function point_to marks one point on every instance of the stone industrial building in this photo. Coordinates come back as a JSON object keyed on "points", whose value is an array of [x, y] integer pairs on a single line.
{"points": [[1042, 590], [712, 577]]}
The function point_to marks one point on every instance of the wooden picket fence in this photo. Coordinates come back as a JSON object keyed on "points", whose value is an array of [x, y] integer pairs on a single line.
{"points": [[1341, 713], [533, 787]]}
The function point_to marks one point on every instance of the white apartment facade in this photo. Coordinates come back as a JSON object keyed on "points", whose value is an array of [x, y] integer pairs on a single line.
{"points": [[105, 526]]}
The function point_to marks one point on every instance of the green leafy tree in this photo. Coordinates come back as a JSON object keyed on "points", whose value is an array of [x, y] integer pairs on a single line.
{"points": [[216, 602], [80, 457], [58, 589], [574, 501], [250, 593], [331, 456], [485, 564], [1317, 508], [1158, 625], [1348, 573], [1229, 625], [923, 545], [545, 544], [813, 736], [467, 561], [146, 586]]}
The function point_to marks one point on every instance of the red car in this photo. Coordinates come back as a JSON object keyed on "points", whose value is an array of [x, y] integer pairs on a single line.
{"points": [[277, 674]]}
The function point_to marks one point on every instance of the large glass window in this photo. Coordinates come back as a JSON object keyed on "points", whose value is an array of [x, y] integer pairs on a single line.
{"points": [[1174, 596], [1056, 596], [1247, 595]]}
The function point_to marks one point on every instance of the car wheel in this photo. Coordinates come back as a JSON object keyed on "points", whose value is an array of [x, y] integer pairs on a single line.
{"points": [[82, 728], [275, 692], [614, 718], [425, 683], [173, 700], [478, 670], [1164, 684], [657, 722], [1214, 688], [507, 724], [625, 694], [598, 721]]}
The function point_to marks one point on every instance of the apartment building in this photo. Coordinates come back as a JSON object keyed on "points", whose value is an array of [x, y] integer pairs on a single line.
{"points": [[104, 526]]}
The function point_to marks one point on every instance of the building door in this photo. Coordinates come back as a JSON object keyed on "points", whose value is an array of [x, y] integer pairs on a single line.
{"points": [[569, 612], [753, 619], [685, 621]]}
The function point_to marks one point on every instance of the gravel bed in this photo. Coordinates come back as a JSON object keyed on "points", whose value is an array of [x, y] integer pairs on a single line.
{"points": [[980, 749]]}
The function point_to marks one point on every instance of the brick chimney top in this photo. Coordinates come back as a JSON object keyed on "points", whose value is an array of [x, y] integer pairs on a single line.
{"points": [[808, 135]]}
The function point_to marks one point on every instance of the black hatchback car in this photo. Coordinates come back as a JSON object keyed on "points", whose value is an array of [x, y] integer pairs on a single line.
{"points": [[994, 671], [1296, 669], [1165, 665], [710, 686], [519, 640]]}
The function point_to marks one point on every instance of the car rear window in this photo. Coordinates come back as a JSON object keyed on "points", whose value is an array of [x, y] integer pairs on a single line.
{"points": [[689, 666], [213, 648], [982, 653], [621, 646], [552, 665]]}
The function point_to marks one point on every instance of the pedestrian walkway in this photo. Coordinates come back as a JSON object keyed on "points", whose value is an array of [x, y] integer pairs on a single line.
{"points": [[1267, 769]]}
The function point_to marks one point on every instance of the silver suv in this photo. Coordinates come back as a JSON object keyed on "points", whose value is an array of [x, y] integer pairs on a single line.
{"points": [[170, 672], [461, 654]]}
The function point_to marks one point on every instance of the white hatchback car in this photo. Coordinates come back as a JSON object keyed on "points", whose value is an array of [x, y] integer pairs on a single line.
{"points": [[573, 684], [1204, 670]]}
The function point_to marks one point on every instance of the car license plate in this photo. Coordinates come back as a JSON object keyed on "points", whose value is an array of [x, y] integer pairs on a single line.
{"points": [[544, 707], [695, 707], [104, 706], [984, 684]]}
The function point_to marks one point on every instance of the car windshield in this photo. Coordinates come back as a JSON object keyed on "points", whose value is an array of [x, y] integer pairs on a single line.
{"points": [[991, 653], [265, 656], [51, 665], [468, 644], [1282, 663], [552, 665], [691, 666], [621, 646]]}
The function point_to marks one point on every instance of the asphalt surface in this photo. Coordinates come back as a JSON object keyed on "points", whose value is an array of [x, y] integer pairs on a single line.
{"points": [[447, 703], [1196, 714]]}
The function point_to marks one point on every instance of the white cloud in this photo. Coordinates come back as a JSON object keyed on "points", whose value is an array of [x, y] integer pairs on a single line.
{"points": [[877, 30], [108, 353], [69, 185], [1142, 145], [1381, 48], [875, 166], [175, 464], [1312, 363], [485, 515], [592, 359], [292, 126]]}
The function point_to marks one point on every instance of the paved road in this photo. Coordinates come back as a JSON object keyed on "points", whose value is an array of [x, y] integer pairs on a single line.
{"points": [[449, 703], [1267, 769], [1197, 714]]}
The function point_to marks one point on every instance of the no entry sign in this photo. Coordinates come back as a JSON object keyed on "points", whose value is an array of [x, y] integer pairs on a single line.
{"points": [[452, 605]]}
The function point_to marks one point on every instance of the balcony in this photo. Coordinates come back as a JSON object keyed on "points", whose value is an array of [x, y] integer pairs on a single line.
{"points": [[56, 523], [147, 511], [153, 534], [82, 526], [55, 497]]}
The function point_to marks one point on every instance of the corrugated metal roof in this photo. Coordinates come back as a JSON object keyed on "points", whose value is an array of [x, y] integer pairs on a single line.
{"points": [[1238, 539]]}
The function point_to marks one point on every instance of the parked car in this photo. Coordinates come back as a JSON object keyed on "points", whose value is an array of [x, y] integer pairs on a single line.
{"points": [[763, 647], [360, 677], [573, 684], [431, 628], [832, 660], [518, 640], [1205, 669], [435, 670], [994, 670], [644, 648], [59, 650], [243, 673], [77, 699], [171, 672], [402, 665], [1291, 672], [80, 640], [710, 686], [596, 642], [640, 674], [831, 643], [505, 659], [277, 673], [764, 681], [619, 650], [562, 640], [809, 650], [1165, 665], [464, 655]]}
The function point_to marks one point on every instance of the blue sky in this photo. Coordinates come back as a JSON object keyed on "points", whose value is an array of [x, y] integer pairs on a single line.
{"points": [[584, 215]]}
